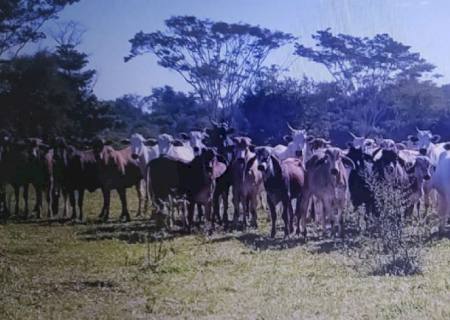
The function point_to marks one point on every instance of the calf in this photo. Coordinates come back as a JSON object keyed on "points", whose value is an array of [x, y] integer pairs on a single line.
{"points": [[419, 173], [283, 182], [247, 180], [116, 170], [194, 180], [326, 180]]}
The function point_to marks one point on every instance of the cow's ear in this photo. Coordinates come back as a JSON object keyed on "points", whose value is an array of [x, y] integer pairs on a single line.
{"points": [[125, 141], [230, 130], [400, 146], [350, 144], [177, 143], [436, 138], [447, 146], [108, 143], [151, 142], [184, 136], [287, 138], [348, 162], [252, 147], [309, 138], [251, 162], [413, 138]]}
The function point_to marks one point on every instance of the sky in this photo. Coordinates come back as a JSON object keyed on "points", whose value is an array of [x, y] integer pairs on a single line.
{"points": [[109, 24]]}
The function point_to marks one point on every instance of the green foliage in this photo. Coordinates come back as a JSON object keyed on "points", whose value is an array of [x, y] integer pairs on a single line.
{"points": [[21, 21], [219, 60], [356, 62]]}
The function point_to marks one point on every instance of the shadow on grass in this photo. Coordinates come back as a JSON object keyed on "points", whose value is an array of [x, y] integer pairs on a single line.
{"points": [[136, 231]]}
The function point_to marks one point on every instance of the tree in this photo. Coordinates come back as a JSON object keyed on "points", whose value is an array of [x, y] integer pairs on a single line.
{"points": [[357, 63], [219, 60], [362, 69], [22, 20]]}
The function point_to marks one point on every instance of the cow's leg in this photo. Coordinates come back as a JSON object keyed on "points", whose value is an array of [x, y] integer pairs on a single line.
{"points": [[25, 199], [80, 204], [140, 194], [104, 215], [73, 204], [443, 207], [38, 206], [236, 202], [191, 209], [273, 216], [66, 204], [49, 199], [225, 197], [301, 212], [253, 205], [200, 213], [125, 216], [16, 198]]}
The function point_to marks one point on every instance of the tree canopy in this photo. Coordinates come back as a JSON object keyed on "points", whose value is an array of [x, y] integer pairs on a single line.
{"points": [[219, 60]]}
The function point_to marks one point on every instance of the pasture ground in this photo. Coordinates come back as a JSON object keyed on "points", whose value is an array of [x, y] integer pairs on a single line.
{"points": [[53, 270]]}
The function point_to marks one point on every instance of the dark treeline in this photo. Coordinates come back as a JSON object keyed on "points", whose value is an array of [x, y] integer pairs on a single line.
{"points": [[378, 86]]}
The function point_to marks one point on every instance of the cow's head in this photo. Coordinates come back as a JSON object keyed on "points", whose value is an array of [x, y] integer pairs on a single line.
{"points": [[138, 144], [424, 140], [334, 157], [36, 147], [387, 164], [318, 143], [166, 142], [363, 143], [197, 140], [243, 148], [219, 137], [297, 139], [98, 144], [421, 169], [60, 149], [264, 157]]}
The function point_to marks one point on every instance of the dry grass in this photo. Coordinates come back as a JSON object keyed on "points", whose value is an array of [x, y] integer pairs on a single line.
{"points": [[100, 271]]}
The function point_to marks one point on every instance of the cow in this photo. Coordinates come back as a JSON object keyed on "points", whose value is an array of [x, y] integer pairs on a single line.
{"points": [[220, 138], [419, 173], [143, 151], [389, 166], [116, 170], [247, 180], [297, 145], [427, 144], [23, 164], [367, 145], [360, 192], [176, 148], [74, 172], [283, 182], [326, 180], [195, 140], [194, 180]]}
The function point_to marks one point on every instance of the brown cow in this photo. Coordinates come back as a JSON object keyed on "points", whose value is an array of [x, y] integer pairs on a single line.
{"points": [[247, 180], [116, 170], [326, 180], [194, 181], [283, 182]]}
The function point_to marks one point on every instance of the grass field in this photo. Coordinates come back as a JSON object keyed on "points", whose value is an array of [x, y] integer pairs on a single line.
{"points": [[116, 271]]}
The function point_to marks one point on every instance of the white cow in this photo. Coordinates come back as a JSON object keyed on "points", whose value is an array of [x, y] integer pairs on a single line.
{"points": [[297, 145], [441, 182], [195, 139], [174, 148]]}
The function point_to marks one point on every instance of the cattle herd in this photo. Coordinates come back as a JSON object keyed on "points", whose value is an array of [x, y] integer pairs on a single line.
{"points": [[200, 169]]}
